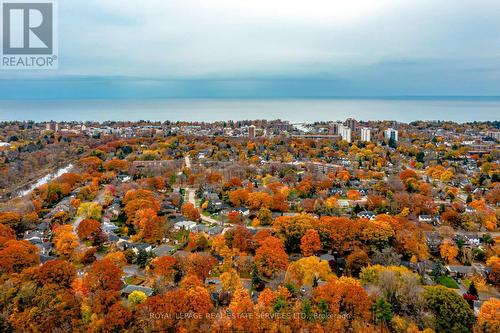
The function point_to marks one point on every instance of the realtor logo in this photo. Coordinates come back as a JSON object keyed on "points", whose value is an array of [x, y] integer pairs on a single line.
{"points": [[28, 35]]}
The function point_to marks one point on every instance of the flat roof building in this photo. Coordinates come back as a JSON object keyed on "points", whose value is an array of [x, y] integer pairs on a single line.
{"points": [[365, 134]]}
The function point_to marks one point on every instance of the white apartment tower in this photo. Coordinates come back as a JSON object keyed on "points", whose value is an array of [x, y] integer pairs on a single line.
{"points": [[391, 133], [345, 132], [365, 134]]}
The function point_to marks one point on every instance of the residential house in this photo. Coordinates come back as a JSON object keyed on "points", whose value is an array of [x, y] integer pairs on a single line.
{"points": [[164, 250], [366, 214], [128, 289]]}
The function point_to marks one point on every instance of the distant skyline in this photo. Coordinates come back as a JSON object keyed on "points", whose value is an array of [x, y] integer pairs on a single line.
{"points": [[118, 49], [294, 110]]}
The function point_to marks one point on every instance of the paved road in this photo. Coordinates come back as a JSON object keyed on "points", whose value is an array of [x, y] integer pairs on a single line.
{"points": [[191, 199], [98, 199]]}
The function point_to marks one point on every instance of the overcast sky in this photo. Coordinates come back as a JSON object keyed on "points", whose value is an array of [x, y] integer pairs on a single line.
{"points": [[252, 48]]}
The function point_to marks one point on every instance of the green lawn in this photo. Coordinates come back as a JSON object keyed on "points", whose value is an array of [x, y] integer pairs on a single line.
{"points": [[447, 282]]}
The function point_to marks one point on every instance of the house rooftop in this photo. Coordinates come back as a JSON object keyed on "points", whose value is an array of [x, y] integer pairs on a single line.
{"points": [[131, 288]]}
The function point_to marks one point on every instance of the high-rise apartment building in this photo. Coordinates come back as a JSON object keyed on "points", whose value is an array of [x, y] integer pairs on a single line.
{"points": [[52, 126], [251, 131], [345, 132], [351, 123], [365, 134], [391, 133]]}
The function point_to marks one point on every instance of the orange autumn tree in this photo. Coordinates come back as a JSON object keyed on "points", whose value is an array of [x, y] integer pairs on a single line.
{"points": [[448, 250], [407, 174], [163, 269], [488, 319], [198, 264], [90, 164], [6, 234], [310, 243], [242, 306], [303, 272], [494, 276], [116, 165], [242, 239], [347, 301], [190, 211], [135, 200], [17, 255], [234, 217], [149, 226], [117, 257], [58, 272], [279, 203], [65, 240], [190, 298], [271, 257], [238, 197], [88, 229], [104, 275], [353, 195], [292, 228], [257, 200]]}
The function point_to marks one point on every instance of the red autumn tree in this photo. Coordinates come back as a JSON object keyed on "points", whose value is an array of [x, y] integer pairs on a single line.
{"points": [[198, 264], [242, 239], [103, 275], [117, 319], [59, 272], [279, 203], [90, 164], [407, 174], [88, 229]]}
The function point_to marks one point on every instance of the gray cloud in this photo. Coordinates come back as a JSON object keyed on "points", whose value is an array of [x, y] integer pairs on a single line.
{"points": [[386, 46]]}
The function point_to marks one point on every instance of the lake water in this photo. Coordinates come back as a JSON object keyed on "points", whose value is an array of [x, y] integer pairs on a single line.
{"points": [[295, 110]]}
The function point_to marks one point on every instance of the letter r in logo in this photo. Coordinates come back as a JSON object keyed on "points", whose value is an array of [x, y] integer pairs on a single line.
{"points": [[27, 28]]}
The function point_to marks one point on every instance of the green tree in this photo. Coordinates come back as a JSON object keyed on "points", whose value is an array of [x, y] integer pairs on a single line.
{"points": [[142, 258], [451, 312], [472, 289], [256, 279], [382, 311]]}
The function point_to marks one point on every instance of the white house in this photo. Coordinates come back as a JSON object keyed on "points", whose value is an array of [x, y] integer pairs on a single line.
{"points": [[187, 225]]}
